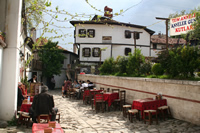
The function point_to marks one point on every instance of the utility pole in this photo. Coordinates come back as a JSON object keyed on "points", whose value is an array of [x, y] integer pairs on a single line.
{"points": [[135, 37], [166, 21]]}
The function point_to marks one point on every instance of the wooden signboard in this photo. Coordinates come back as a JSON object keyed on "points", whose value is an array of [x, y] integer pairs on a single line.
{"points": [[35, 88]]}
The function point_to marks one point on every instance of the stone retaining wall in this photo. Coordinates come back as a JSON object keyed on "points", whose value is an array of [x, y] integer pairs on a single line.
{"points": [[182, 96]]}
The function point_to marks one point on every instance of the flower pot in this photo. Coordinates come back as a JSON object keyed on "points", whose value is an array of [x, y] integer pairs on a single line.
{"points": [[2, 38]]}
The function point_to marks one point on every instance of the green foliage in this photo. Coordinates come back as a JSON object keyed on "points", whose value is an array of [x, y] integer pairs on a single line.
{"points": [[177, 63], [180, 62], [25, 81], [108, 67], [157, 69], [198, 74], [34, 12], [122, 63], [51, 57], [151, 76], [134, 62], [12, 122], [146, 68]]}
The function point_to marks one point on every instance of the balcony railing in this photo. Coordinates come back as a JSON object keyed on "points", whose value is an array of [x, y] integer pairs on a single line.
{"points": [[36, 64]]}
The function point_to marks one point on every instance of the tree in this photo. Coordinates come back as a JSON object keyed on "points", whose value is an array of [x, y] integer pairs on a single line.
{"points": [[34, 10], [51, 57]]}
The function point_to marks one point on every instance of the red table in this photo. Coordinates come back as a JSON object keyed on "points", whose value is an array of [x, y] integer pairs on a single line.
{"points": [[146, 104], [25, 107], [87, 93], [109, 97], [39, 128]]}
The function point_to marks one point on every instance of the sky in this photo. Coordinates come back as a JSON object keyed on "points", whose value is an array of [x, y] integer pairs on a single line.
{"points": [[139, 12]]}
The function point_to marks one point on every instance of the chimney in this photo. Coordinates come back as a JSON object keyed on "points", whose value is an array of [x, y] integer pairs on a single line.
{"points": [[159, 35], [33, 34]]}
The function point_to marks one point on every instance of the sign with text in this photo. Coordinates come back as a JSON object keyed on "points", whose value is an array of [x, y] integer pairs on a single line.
{"points": [[182, 24]]}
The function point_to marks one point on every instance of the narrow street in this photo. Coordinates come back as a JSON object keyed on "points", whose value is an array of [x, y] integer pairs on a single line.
{"points": [[79, 118]]}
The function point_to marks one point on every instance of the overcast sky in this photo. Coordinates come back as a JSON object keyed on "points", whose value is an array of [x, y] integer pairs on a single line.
{"points": [[140, 12]]}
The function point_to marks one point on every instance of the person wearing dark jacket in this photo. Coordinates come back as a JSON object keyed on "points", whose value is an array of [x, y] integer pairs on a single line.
{"points": [[20, 97], [33, 80], [43, 103], [90, 84]]}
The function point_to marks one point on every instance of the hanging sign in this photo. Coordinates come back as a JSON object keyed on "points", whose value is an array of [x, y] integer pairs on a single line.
{"points": [[182, 24]]}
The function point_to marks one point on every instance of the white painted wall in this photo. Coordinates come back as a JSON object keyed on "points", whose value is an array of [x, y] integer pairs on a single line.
{"points": [[154, 52], [66, 60], [60, 79], [1, 63], [118, 37], [119, 50], [10, 73]]}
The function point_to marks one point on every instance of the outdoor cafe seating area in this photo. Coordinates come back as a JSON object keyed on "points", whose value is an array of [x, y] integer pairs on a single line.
{"points": [[146, 109], [103, 100], [44, 124]]}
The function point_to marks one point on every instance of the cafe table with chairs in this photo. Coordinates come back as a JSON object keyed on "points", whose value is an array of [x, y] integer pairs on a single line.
{"points": [[108, 97], [51, 127], [148, 107]]}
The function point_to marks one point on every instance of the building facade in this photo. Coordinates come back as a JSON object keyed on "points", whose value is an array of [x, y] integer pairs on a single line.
{"points": [[68, 68], [102, 38], [158, 43]]}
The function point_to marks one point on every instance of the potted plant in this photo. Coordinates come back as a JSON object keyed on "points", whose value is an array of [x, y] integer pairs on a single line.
{"points": [[2, 35]]}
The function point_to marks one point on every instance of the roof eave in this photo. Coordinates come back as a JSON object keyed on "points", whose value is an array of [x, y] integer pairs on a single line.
{"points": [[151, 32]]}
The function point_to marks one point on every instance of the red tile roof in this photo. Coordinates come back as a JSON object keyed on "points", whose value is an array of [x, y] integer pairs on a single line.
{"points": [[161, 39]]}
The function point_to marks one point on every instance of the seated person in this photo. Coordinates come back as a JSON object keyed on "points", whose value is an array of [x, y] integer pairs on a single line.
{"points": [[82, 86], [90, 84], [76, 86], [24, 90], [43, 103], [67, 86]]}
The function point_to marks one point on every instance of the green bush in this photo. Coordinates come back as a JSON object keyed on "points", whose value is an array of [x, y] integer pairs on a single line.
{"points": [[181, 61], [108, 67], [198, 74], [157, 69], [122, 63], [134, 62], [146, 68]]}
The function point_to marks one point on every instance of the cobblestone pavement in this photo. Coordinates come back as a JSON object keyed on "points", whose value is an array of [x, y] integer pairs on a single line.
{"points": [[79, 118]]}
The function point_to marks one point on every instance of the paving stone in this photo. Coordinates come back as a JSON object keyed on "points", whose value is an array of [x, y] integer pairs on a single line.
{"points": [[143, 131], [165, 131], [3, 124], [153, 130], [3, 130]]}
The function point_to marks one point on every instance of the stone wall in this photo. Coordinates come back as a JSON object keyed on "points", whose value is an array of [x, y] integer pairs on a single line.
{"points": [[182, 96]]}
